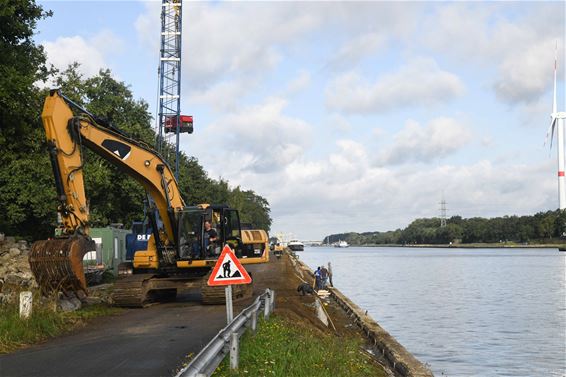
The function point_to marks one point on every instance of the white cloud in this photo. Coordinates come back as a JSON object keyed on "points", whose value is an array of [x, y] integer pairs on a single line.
{"points": [[526, 73], [299, 83], [259, 139], [347, 161], [377, 132], [339, 123], [316, 198], [91, 53], [148, 25], [420, 82], [223, 96], [518, 38], [356, 49], [415, 143], [238, 38]]}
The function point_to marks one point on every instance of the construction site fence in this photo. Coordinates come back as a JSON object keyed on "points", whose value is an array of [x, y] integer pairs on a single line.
{"points": [[227, 340]]}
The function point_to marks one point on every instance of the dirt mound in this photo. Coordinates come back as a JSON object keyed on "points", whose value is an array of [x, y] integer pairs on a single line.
{"points": [[281, 276]]}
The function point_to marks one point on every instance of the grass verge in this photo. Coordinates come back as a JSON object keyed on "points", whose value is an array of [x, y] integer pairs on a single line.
{"points": [[44, 323], [282, 348]]}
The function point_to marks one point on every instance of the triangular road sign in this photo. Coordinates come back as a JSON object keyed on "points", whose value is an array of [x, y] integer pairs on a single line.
{"points": [[228, 270]]}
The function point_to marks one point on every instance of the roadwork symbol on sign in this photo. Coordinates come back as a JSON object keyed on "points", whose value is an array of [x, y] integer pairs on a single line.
{"points": [[228, 270]]}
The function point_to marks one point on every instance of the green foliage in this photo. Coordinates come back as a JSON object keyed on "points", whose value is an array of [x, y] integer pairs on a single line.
{"points": [[253, 208], [27, 193], [26, 189], [16, 332], [539, 228], [44, 322], [283, 348], [21, 64]]}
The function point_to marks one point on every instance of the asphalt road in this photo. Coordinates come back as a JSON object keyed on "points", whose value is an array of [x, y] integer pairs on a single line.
{"points": [[139, 342]]}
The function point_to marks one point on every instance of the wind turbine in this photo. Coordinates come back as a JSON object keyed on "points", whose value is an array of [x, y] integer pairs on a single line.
{"points": [[557, 121]]}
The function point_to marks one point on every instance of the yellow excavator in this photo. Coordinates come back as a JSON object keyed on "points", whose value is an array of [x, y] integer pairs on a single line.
{"points": [[178, 254]]}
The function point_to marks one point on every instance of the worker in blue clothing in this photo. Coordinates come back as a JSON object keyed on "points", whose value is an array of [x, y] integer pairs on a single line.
{"points": [[317, 279]]}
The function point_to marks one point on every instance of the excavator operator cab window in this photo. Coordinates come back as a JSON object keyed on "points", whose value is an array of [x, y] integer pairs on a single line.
{"points": [[233, 231], [231, 228], [190, 235], [215, 221], [234, 223]]}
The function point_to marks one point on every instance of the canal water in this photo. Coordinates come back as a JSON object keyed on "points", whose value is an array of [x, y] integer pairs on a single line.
{"points": [[464, 312]]}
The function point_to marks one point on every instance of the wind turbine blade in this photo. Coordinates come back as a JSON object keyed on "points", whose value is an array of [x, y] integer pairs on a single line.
{"points": [[550, 132]]}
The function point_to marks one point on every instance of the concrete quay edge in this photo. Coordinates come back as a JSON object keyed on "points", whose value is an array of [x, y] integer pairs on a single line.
{"points": [[400, 360]]}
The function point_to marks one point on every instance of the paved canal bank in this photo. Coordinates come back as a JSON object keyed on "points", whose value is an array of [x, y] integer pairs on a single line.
{"points": [[158, 340]]}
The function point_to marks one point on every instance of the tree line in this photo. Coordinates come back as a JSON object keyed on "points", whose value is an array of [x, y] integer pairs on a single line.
{"points": [[27, 190], [543, 227]]}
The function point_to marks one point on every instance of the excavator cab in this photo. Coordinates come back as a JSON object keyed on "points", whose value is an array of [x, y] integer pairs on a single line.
{"points": [[191, 232]]}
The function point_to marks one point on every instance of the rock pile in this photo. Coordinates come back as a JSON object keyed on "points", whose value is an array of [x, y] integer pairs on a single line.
{"points": [[15, 273]]}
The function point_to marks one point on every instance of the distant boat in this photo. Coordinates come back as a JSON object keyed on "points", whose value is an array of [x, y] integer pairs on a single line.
{"points": [[341, 244], [296, 245]]}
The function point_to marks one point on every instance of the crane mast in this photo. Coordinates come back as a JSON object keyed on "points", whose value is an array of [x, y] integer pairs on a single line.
{"points": [[170, 118]]}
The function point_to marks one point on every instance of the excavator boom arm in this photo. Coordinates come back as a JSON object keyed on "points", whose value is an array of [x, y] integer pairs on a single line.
{"points": [[66, 161], [57, 264], [67, 133]]}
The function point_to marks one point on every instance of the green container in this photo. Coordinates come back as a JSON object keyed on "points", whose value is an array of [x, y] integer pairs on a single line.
{"points": [[110, 248]]}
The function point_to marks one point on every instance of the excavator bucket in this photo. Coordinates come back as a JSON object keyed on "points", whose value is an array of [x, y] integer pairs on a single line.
{"points": [[57, 264]]}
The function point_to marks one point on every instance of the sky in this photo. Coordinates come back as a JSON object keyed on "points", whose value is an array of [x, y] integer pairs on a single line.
{"points": [[348, 116]]}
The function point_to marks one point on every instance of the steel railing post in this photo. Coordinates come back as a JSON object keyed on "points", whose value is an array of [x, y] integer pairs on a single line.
{"points": [[254, 321], [272, 299], [234, 350], [227, 339], [266, 307]]}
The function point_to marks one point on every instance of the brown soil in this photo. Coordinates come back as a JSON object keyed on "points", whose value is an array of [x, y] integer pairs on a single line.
{"points": [[280, 275]]}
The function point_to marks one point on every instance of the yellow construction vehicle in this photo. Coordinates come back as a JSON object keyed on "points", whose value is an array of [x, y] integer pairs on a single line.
{"points": [[178, 254]]}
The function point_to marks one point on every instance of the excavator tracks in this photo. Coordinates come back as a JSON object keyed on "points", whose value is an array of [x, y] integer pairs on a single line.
{"points": [[217, 295], [132, 291], [140, 290]]}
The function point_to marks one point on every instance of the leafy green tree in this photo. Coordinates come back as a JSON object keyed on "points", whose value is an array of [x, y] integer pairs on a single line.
{"points": [[27, 194], [546, 226], [25, 185], [540, 227], [253, 208]]}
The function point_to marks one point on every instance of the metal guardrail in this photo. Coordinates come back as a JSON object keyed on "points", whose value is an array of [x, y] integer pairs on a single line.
{"points": [[227, 339]]}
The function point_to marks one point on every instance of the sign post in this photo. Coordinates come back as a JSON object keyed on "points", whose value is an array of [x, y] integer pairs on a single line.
{"points": [[228, 271], [229, 307]]}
